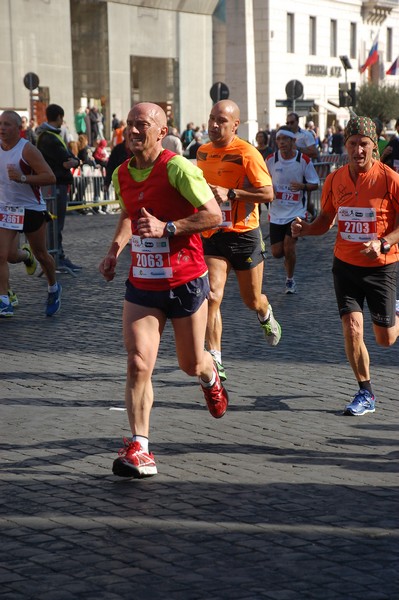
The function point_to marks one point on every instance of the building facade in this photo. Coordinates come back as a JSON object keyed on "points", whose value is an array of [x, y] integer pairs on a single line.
{"points": [[300, 41], [113, 53]]}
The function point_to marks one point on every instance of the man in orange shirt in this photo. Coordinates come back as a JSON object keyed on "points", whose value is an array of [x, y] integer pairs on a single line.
{"points": [[364, 198], [240, 181]]}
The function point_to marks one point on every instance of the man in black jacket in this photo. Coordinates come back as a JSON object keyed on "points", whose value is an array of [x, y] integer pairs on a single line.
{"points": [[61, 160]]}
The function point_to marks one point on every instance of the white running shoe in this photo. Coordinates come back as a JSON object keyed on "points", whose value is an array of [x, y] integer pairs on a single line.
{"points": [[290, 286], [272, 329]]}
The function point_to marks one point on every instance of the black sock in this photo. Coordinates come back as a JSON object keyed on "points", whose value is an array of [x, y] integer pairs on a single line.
{"points": [[365, 385]]}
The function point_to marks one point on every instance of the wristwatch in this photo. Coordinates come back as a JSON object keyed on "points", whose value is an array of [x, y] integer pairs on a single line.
{"points": [[170, 228], [231, 194], [385, 246], [23, 179]]}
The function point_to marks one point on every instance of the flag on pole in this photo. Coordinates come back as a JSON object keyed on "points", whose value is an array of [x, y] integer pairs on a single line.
{"points": [[394, 68], [372, 57]]}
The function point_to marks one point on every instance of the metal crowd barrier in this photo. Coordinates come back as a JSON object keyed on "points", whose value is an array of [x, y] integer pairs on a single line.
{"points": [[327, 164], [87, 192]]}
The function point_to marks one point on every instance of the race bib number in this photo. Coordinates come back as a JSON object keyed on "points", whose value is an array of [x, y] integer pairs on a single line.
{"points": [[225, 207], [151, 258], [286, 195], [357, 224], [12, 217]]}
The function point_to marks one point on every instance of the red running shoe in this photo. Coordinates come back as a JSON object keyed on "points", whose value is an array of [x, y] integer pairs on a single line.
{"points": [[216, 397], [132, 461]]}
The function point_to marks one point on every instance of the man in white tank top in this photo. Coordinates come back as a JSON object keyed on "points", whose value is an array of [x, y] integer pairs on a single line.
{"points": [[23, 210]]}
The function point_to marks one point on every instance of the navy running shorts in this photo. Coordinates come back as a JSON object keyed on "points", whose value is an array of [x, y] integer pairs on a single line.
{"points": [[278, 232], [377, 285], [244, 251], [179, 302]]}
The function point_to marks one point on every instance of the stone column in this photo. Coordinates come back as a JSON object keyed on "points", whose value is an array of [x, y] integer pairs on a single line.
{"points": [[240, 64]]}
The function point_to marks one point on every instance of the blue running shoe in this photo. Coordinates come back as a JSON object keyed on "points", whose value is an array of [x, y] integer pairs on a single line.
{"points": [[363, 402], [6, 310], [54, 302]]}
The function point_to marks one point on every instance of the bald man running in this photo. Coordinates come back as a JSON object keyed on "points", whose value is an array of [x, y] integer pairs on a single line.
{"points": [[165, 203], [240, 181]]}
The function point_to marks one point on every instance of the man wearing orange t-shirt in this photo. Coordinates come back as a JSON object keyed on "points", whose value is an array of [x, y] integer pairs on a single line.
{"points": [[240, 181], [364, 198]]}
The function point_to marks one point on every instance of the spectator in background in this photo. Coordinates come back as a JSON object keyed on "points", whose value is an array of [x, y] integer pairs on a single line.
{"points": [[188, 135], [326, 143], [95, 119], [172, 141], [382, 141], [90, 177], [80, 121], [88, 125], [337, 140], [27, 132], [65, 133], [193, 147], [117, 134], [272, 138], [118, 155], [100, 155], [262, 144], [115, 122], [61, 160]]}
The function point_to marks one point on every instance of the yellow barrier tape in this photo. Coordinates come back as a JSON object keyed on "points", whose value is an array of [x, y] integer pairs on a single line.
{"points": [[91, 205]]}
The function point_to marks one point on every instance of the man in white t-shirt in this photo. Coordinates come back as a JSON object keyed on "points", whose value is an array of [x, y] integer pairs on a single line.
{"points": [[293, 176], [306, 143]]}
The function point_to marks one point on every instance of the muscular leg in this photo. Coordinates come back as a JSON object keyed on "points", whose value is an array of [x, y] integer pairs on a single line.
{"points": [[142, 330], [189, 338], [386, 336], [250, 284], [355, 348], [37, 242], [219, 269]]}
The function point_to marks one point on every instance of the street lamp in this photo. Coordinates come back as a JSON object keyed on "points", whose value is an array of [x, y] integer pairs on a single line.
{"points": [[346, 64]]}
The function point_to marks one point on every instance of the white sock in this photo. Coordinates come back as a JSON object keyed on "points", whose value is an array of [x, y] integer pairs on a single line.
{"points": [[208, 384], [265, 318], [142, 440], [217, 355], [5, 299], [52, 288]]}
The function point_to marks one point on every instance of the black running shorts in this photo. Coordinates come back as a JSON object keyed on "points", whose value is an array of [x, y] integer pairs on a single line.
{"points": [[278, 232], [181, 301], [34, 219], [244, 251], [377, 285]]}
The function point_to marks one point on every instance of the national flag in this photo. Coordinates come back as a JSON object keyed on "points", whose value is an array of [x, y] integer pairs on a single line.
{"points": [[394, 68], [372, 57]]}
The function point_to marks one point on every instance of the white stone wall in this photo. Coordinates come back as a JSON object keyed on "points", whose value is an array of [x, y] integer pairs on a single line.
{"points": [[35, 37]]}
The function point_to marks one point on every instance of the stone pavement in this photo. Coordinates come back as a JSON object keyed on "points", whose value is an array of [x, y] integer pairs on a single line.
{"points": [[282, 499]]}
